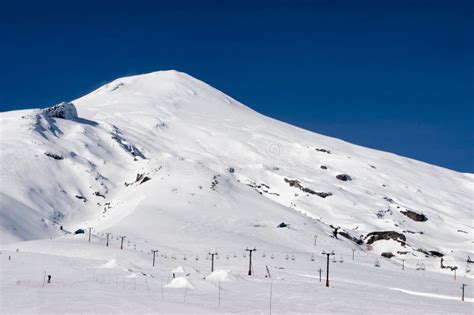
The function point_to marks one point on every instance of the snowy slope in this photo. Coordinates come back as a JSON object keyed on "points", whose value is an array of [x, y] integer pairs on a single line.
{"points": [[172, 163]]}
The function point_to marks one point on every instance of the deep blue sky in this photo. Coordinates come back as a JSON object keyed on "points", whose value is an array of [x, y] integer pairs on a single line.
{"points": [[391, 75]]}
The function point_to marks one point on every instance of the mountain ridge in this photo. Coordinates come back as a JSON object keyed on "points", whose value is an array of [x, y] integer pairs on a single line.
{"points": [[200, 151]]}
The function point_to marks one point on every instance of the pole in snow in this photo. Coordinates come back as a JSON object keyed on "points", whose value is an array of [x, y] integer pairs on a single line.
{"points": [[90, 231], [315, 239], [250, 259], [353, 251], [121, 243], [327, 268], [320, 271], [154, 251], [462, 288], [107, 244], [212, 260], [403, 264]]}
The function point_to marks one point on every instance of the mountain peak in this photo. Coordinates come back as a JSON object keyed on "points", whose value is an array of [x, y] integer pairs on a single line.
{"points": [[167, 91]]}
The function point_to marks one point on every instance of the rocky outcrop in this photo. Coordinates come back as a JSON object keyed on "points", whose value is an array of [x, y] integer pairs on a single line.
{"points": [[140, 179], [323, 194], [81, 198], [214, 182], [419, 217], [297, 184], [124, 144], [435, 253], [385, 235], [63, 110], [350, 237], [387, 255], [323, 150], [344, 177], [54, 156]]}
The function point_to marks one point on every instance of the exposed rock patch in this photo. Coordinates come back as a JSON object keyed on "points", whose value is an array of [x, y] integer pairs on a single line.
{"points": [[140, 179], [387, 255], [323, 150], [214, 182], [81, 197], [262, 188], [344, 177], [124, 144], [385, 235], [297, 184], [350, 237], [98, 194], [419, 217], [435, 253], [54, 156], [382, 213], [63, 110]]}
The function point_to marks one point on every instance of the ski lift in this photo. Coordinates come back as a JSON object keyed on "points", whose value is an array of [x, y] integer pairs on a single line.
{"points": [[422, 266], [227, 257], [244, 255], [264, 255], [197, 257], [235, 255], [418, 267], [184, 258], [293, 257], [217, 256], [377, 263], [166, 256], [341, 259], [287, 257], [468, 269], [272, 256], [207, 257], [312, 257], [334, 259]]}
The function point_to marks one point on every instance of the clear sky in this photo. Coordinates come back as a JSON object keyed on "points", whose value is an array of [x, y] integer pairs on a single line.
{"points": [[392, 75]]}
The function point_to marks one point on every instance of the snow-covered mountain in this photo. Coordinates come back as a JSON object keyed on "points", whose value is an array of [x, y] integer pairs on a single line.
{"points": [[166, 159]]}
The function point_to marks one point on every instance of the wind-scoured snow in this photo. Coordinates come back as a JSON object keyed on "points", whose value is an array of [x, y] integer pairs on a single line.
{"points": [[176, 165]]}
